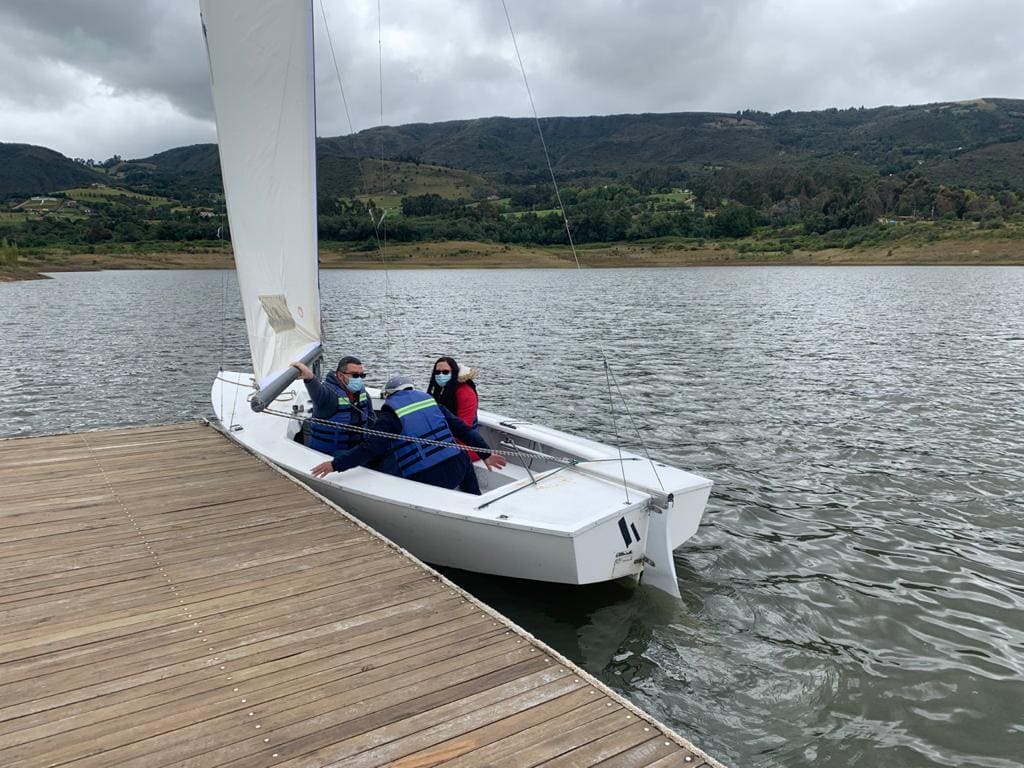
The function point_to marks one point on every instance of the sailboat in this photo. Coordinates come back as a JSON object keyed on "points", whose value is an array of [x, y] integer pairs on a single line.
{"points": [[564, 509]]}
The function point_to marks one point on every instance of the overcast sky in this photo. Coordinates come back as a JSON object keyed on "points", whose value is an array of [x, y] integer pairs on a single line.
{"points": [[129, 77]]}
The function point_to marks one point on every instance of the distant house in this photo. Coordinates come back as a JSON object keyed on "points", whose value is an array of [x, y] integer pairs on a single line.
{"points": [[206, 213]]}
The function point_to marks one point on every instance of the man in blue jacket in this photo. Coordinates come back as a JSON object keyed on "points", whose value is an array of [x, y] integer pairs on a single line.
{"points": [[411, 413], [338, 401]]}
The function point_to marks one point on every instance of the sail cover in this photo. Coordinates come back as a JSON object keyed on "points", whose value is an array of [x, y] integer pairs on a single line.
{"points": [[261, 71]]}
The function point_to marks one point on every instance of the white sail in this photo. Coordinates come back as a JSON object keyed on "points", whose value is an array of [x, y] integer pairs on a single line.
{"points": [[261, 71]]}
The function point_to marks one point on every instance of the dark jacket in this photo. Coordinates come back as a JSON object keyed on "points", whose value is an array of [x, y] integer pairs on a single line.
{"points": [[376, 451], [331, 402]]}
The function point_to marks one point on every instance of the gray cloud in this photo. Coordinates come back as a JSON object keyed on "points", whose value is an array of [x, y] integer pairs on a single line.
{"points": [[129, 76]]}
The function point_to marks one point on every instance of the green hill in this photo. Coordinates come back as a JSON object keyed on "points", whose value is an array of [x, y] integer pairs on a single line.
{"points": [[30, 170], [196, 169], [972, 144], [889, 139], [992, 167], [835, 177]]}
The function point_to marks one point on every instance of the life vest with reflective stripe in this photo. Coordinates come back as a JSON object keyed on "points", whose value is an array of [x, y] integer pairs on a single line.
{"points": [[421, 417], [327, 439]]}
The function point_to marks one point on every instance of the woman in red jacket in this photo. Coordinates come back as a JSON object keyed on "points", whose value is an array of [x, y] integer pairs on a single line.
{"points": [[456, 391]]}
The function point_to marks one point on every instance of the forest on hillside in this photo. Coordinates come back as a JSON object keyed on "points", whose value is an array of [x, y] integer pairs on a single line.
{"points": [[835, 177], [835, 206]]}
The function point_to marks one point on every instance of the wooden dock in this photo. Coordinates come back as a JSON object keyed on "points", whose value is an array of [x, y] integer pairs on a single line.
{"points": [[167, 599]]}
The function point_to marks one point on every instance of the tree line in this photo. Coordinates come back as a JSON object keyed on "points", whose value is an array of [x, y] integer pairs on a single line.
{"points": [[726, 204], [720, 204]]}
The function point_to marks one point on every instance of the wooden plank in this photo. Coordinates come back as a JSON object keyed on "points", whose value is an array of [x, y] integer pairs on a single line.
{"points": [[138, 473], [243, 658], [39, 581], [586, 746], [264, 670], [452, 736], [655, 753], [123, 464], [95, 579], [184, 738], [86, 646], [121, 601], [236, 610], [393, 740], [497, 743], [167, 599], [228, 651], [300, 683], [123, 586], [16, 552], [389, 708]]}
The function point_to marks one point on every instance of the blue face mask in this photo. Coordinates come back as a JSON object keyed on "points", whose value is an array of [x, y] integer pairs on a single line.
{"points": [[355, 385], [442, 379]]}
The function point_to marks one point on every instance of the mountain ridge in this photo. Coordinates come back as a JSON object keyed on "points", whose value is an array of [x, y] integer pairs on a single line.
{"points": [[946, 142]]}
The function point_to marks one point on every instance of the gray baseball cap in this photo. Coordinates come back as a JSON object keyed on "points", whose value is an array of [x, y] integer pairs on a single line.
{"points": [[397, 383]]}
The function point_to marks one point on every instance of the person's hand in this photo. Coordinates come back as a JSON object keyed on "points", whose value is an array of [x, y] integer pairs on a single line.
{"points": [[304, 371], [320, 470], [494, 461]]}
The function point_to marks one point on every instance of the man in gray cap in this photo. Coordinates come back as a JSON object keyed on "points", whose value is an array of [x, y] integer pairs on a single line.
{"points": [[411, 413]]}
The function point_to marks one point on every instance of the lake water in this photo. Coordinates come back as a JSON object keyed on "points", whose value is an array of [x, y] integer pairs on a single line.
{"points": [[855, 595]]}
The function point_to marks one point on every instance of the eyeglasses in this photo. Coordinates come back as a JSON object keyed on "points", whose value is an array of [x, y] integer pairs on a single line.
{"points": [[438, 370], [354, 375]]}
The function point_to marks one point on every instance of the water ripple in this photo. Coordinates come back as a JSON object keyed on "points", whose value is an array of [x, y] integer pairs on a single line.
{"points": [[854, 595]]}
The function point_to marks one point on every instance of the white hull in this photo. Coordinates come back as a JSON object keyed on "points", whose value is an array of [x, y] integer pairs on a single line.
{"points": [[577, 525]]}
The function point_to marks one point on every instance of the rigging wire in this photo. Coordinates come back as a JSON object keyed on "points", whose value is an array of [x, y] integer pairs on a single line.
{"points": [[568, 461], [380, 231], [540, 133], [337, 69], [575, 255], [383, 242], [615, 426], [632, 421]]}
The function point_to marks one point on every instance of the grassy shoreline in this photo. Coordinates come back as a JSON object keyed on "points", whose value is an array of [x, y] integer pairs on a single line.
{"points": [[979, 251]]}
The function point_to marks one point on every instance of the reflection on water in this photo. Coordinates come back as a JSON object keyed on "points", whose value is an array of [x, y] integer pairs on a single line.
{"points": [[855, 594]]}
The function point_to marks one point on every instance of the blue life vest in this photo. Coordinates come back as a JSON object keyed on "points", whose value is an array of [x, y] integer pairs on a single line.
{"points": [[327, 439], [421, 417]]}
